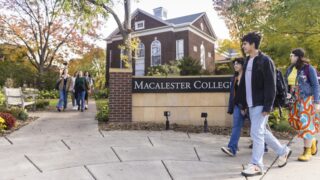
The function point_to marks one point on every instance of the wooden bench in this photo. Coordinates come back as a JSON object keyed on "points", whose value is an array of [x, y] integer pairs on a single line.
{"points": [[15, 97]]}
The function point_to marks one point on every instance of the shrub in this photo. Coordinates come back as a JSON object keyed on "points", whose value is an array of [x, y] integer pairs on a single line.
{"points": [[2, 124], [223, 69], [18, 113], [42, 103], [45, 94], [2, 98], [9, 118], [189, 66], [159, 70], [101, 94], [164, 70], [279, 123], [103, 111]]}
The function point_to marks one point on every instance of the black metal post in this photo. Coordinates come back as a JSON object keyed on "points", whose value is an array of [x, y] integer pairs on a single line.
{"points": [[167, 123], [205, 128]]}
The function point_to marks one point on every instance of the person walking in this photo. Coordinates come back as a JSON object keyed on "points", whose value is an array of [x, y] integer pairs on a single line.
{"points": [[303, 87], [81, 87], [257, 91], [63, 85], [89, 90], [72, 91], [235, 110]]}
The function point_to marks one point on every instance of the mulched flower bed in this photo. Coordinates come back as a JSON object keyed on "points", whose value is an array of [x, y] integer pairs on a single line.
{"points": [[19, 124], [150, 126]]}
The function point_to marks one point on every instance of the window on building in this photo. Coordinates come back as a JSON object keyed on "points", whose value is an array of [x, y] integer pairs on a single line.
{"points": [[179, 49], [202, 27], [110, 57], [121, 58], [155, 53], [140, 51], [209, 54], [139, 25], [203, 56], [195, 48]]}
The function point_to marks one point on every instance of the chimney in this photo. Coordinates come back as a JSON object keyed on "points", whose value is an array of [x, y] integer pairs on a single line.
{"points": [[160, 12]]}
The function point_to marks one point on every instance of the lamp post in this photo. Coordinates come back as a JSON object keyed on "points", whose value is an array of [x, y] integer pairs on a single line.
{"points": [[167, 114], [205, 127]]}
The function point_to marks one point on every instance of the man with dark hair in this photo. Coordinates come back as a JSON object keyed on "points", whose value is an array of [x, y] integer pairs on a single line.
{"points": [[258, 90]]}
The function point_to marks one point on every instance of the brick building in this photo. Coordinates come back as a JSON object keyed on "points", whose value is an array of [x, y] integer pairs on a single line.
{"points": [[164, 40]]}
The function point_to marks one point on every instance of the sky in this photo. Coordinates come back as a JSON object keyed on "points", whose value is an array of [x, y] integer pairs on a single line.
{"points": [[175, 8]]}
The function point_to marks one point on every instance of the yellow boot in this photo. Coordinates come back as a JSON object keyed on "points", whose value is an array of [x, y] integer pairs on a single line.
{"points": [[314, 147], [306, 156]]}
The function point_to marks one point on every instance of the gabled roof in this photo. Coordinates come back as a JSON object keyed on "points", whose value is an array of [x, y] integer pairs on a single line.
{"points": [[185, 19], [174, 22]]}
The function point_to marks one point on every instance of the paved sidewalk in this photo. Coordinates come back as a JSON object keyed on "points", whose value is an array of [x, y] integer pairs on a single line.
{"points": [[68, 145]]}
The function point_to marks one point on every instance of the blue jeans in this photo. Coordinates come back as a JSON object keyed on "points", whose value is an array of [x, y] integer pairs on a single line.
{"points": [[238, 120], [63, 99], [80, 99], [261, 135]]}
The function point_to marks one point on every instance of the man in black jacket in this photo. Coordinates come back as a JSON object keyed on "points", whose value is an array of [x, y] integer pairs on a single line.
{"points": [[258, 91]]}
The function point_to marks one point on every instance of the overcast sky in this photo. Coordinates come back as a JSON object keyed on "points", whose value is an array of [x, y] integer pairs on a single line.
{"points": [[175, 8]]}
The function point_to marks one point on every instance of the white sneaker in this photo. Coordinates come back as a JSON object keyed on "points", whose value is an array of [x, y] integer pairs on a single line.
{"points": [[252, 170], [74, 108], [227, 151], [282, 160]]}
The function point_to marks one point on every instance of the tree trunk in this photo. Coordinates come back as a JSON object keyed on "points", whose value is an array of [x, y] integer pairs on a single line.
{"points": [[40, 81]]}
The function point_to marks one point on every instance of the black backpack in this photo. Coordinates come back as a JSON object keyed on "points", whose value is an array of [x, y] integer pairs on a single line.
{"points": [[281, 92]]}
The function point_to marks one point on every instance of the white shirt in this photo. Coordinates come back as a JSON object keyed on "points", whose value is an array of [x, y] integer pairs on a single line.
{"points": [[248, 80]]}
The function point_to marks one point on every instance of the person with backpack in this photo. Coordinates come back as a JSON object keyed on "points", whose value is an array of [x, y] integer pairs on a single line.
{"points": [[81, 87], [257, 92], [303, 88], [63, 85]]}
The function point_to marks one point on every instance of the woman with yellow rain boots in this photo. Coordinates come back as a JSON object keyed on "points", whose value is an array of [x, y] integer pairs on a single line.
{"points": [[303, 86]]}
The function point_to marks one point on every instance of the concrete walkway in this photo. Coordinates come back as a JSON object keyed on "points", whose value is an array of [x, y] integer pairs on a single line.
{"points": [[68, 145]]}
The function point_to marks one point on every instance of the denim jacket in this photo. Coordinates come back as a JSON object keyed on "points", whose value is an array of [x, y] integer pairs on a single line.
{"points": [[308, 86]]}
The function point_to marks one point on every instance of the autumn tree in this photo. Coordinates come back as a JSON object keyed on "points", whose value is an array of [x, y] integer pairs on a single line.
{"points": [[105, 8], [48, 32], [292, 24], [242, 16]]}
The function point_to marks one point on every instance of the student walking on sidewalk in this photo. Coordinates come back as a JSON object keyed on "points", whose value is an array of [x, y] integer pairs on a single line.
{"points": [[63, 85], [235, 110], [303, 88], [81, 87], [257, 91]]}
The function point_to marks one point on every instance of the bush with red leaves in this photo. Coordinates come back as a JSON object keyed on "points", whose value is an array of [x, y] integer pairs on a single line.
{"points": [[9, 118]]}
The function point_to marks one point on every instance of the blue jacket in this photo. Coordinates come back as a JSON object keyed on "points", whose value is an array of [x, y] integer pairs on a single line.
{"points": [[308, 86]]}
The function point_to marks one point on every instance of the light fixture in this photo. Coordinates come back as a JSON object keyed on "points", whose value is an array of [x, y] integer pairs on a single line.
{"points": [[205, 126], [167, 114]]}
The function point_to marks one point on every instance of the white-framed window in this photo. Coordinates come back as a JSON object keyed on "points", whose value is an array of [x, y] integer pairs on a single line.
{"points": [[202, 27], [179, 49], [203, 56], [110, 57], [121, 58], [139, 25], [155, 53], [195, 48], [140, 51], [140, 60]]}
